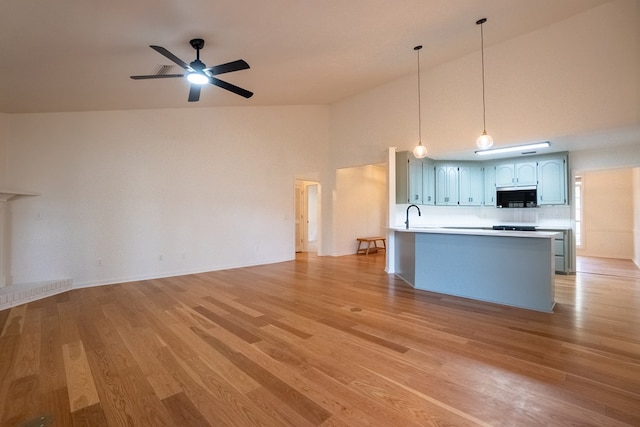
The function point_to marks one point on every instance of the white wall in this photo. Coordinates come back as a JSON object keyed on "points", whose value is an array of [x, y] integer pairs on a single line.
{"points": [[3, 150], [137, 194], [576, 76], [636, 216], [360, 206], [607, 212]]}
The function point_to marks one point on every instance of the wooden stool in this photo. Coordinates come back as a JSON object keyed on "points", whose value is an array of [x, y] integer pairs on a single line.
{"points": [[368, 240]]}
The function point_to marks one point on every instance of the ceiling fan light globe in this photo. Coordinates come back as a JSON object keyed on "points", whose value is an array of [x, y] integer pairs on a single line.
{"points": [[420, 151], [197, 78], [484, 141]]}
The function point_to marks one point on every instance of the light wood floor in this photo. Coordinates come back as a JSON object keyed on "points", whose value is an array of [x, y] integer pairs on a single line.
{"points": [[320, 341]]}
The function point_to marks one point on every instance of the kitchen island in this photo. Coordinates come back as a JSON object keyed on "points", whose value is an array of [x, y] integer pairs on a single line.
{"points": [[513, 268]]}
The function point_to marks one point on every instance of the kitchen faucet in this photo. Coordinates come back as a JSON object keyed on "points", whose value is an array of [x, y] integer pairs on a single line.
{"points": [[409, 207]]}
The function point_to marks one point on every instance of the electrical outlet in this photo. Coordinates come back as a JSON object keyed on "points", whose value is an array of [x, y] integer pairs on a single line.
{"points": [[99, 261]]}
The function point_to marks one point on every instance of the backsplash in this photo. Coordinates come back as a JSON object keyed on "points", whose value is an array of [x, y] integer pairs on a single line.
{"points": [[479, 216]]}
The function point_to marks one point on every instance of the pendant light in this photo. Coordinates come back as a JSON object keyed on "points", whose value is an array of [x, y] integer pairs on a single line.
{"points": [[420, 151], [484, 141]]}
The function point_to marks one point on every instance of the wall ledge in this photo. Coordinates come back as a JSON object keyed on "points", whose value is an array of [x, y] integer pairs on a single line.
{"points": [[14, 295]]}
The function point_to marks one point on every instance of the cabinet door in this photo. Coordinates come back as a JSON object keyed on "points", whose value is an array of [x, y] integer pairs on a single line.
{"points": [[490, 186], [471, 185], [526, 174], [415, 181], [505, 175], [446, 185], [428, 183], [442, 191], [452, 183], [402, 177], [552, 182]]}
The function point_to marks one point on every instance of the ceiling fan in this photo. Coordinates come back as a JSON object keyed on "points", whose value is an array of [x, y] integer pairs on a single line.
{"points": [[198, 74]]}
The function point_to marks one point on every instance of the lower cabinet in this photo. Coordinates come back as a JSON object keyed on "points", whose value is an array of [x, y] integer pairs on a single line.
{"points": [[562, 246]]}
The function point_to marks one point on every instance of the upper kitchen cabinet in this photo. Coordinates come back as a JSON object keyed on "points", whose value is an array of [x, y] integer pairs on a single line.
{"points": [[447, 179], [552, 181], [471, 185], [489, 186], [428, 182], [414, 179], [520, 174], [408, 178], [460, 183]]}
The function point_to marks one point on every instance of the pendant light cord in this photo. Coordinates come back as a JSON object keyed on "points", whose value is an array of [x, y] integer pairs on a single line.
{"points": [[484, 114], [417, 48]]}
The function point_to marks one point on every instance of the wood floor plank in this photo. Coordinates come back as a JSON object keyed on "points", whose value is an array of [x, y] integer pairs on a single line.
{"points": [[15, 321], [231, 326], [287, 394], [323, 341], [217, 412], [183, 411], [80, 386], [54, 404], [90, 416], [27, 360], [4, 315], [51, 360], [22, 402]]}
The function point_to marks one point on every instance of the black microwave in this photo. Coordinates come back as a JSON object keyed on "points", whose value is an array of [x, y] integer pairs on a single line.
{"points": [[517, 197]]}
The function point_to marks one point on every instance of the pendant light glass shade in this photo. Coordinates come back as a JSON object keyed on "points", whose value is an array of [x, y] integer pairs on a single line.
{"points": [[420, 151], [484, 141]]}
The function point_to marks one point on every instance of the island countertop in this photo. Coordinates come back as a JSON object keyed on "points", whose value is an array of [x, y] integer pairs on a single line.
{"points": [[473, 231]]}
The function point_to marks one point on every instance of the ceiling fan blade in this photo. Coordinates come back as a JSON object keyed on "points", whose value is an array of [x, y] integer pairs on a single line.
{"points": [[231, 88], [157, 76], [194, 93], [238, 65], [171, 56]]}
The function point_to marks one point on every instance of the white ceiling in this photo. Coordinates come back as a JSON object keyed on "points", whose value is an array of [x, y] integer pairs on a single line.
{"points": [[77, 55]]}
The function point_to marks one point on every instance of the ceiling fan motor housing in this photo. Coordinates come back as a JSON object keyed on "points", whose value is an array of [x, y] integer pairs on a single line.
{"points": [[197, 65]]}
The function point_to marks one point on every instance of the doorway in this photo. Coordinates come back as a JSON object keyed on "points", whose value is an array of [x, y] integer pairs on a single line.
{"points": [[307, 215], [607, 218]]}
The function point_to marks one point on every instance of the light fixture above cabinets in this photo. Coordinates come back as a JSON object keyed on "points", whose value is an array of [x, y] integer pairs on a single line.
{"points": [[524, 149], [420, 151], [485, 140]]}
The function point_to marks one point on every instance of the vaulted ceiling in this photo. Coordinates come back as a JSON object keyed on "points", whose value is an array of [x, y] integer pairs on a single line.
{"points": [[75, 55]]}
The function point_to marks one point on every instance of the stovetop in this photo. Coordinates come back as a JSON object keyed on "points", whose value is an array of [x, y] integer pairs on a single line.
{"points": [[515, 227]]}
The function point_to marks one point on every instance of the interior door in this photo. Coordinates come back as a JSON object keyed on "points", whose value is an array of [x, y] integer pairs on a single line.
{"points": [[301, 221]]}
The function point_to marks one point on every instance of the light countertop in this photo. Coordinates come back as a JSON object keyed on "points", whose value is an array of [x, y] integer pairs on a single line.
{"points": [[476, 232]]}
